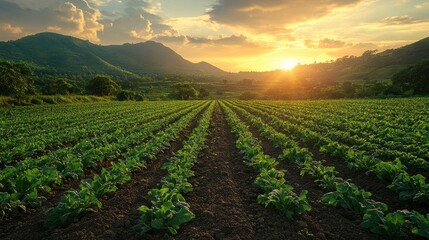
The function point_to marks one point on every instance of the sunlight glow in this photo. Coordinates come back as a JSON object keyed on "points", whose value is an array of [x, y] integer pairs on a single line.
{"points": [[288, 64]]}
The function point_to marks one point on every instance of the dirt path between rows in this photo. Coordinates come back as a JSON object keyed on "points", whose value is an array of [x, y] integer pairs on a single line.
{"points": [[224, 198], [119, 213], [323, 221]]}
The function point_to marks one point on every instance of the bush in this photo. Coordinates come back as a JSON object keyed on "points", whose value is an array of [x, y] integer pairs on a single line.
{"points": [[183, 91], [36, 101], [15, 79], [415, 78], [125, 95], [49, 100], [139, 97], [102, 85], [248, 96]]}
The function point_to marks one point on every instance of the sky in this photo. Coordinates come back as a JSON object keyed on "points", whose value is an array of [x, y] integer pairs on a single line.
{"points": [[235, 35]]}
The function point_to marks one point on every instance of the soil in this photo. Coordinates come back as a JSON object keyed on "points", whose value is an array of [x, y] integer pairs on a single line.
{"points": [[29, 224], [368, 182], [57, 191], [224, 201], [322, 220]]}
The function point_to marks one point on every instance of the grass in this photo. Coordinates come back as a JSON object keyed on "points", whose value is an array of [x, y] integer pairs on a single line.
{"points": [[50, 99]]}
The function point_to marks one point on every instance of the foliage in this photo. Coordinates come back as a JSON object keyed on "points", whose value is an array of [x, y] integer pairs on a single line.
{"points": [[168, 212], [286, 201], [61, 86], [248, 96], [415, 78], [102, 85], [392, 225], [203, 93], [183, 91], [15, 78]]}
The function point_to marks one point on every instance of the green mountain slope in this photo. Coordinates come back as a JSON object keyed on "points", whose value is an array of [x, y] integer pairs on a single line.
{"points": [[65, 54]]}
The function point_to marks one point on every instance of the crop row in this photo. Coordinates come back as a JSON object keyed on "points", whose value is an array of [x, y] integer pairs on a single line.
{"points": [[20, 185], [24, 147], [55, 119], [385, 143], [76, 202], [168, 209], [408, 187], [343, 192], [276, 192]]}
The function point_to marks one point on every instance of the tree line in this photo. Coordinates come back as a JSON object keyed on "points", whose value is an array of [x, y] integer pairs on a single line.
{"points": [[18, 79]]}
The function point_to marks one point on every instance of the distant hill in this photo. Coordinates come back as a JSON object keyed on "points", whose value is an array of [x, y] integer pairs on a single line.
{"points": [[371, 66], [65, 54]]}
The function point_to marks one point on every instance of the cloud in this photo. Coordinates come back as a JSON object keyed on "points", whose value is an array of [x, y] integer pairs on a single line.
{"points": [[9, 31], [230, 41], [73, 17], [331, 43], [324, 43], [357, 49], [137, 23], [233, 40], [6, 27], [402, 20], [422, 5], [272, 15]]}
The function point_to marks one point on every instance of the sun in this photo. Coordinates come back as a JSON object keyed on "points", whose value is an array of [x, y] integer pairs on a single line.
{"points": [[288, 64]]}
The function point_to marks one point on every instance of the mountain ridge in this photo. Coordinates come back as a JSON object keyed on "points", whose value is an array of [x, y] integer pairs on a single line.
{"points": [[67, 54]]}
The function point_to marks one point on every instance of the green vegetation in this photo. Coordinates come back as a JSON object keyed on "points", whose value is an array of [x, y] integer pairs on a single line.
{"points": [[169, 209], [414, 78], [102, 85], [15, 79], [65, 65], [280, 146]]}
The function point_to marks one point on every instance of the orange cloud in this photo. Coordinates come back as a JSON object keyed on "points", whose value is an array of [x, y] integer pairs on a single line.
{"points": [[72, 17], [325, 43], [402, 20], [269, 16]]}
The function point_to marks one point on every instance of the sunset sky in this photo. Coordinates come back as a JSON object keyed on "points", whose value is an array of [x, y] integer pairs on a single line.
{"points": [[235, 35]]}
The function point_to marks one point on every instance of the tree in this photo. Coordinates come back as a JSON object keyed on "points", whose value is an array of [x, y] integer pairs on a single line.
{"points": [[125, 95], [349, 88], [248, 96], [15, 78], [414, 78], [102, 85], [184, 91], [61, 86], [203, 93]]}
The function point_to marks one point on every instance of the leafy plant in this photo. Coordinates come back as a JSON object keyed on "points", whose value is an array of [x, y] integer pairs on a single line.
{"points": [[420, 223], [411, 187], [168, 212], [72, 205], [286, 201], [392, 225], [388, 170], [349, 196], [270, 179]]}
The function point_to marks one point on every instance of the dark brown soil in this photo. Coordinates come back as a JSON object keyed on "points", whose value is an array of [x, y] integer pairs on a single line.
{"points": [[368, 182], [322, 220], [120, 206], [57, 191], [224, 201]]}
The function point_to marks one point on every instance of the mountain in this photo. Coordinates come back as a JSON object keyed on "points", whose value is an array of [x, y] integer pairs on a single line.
{"points": [[371, 66], [65, 54]]}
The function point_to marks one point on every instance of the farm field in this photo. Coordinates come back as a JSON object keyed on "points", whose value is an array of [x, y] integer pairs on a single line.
{"points": [[334, 169]]}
